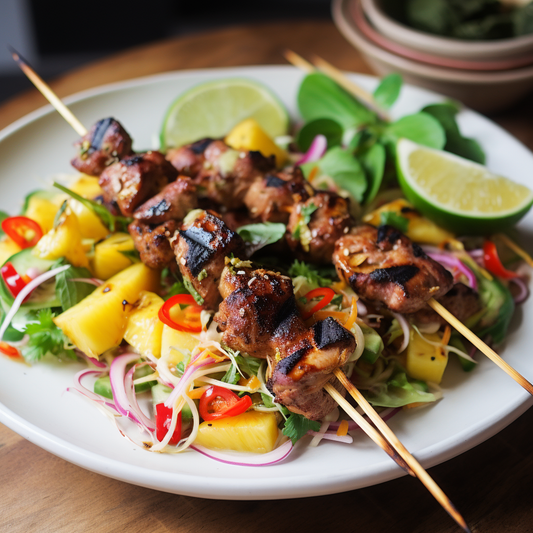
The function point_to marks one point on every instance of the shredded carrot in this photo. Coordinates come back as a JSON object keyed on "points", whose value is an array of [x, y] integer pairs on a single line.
{"points": [[312, 174], [447, 335], [515, 248], [353, 315], [343, 429], [197, 393], [286, 208]]}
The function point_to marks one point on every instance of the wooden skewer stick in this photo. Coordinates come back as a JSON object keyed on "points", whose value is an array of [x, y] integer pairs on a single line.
{"points": [[367, 428], [480, 345], [516, 249], [400, 449], [47, 92]]}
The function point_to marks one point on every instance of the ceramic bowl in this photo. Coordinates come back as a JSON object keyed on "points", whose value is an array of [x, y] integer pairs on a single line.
{"points": [[483, 91]]}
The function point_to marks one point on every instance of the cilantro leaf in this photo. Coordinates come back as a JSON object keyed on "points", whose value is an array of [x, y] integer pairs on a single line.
{"points": [[114, 223], [312, 273], [395, 220], [297, 426], [248, 365], [45, 338]]}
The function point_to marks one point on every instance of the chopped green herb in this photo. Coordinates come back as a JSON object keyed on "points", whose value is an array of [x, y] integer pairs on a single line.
{"points": [[202, 275], [197, 298], [297, 426]]}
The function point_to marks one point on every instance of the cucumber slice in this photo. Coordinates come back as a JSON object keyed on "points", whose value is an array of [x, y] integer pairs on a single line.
{"points": [[102, 385], [44, 295], [161, 392]]}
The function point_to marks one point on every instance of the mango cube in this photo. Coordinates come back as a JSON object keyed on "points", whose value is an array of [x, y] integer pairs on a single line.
{"points": [[425, 361], [108, 258]]}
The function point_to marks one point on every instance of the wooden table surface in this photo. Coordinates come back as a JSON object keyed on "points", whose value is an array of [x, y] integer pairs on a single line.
{"points": [[492, 485]]}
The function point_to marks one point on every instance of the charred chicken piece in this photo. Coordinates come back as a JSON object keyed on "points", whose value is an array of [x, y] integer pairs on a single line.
{"points": [[136, 178], [172, 203], [316, 224], [223, 175], [383, 265], [152, 242], [461, 300], [201, 247], [259, 316], [105, 143], [270, 198], [298, 378]]}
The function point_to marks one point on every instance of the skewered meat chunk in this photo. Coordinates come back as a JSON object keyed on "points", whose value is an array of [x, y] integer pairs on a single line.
{"points": [[316, 224], [383, 265], [136, 178], [259, 316], [105, 143], [201, 247], [223, 175], [152, 242], [269, 197], [461, 300], [172, 203]]}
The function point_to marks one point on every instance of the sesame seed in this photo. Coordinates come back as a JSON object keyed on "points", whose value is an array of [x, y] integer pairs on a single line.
{"points": [[241, 311], [241, 272], [251, 281], [346, 252], [183, 261]]}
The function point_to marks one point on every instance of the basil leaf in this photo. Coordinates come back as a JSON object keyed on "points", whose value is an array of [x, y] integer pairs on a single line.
{"points": [[420, 128], [373, 161], [320, 97], [331, 129], [388, 90], [262, 234], [69, 292], [112, 222]]}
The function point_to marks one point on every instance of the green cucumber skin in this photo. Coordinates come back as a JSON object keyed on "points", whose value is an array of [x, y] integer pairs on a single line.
{"points": [[161, 392]]}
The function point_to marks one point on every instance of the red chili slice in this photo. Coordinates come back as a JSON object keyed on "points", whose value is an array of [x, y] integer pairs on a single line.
{"points": [[218, 402], [327, 295], [493, 263], [23, 230], [9, 350], [163, 418], [13, 280], [188, 319]]}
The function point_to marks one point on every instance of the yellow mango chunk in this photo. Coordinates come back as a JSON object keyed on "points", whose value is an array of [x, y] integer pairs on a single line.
{"points": [[419, 229], [98, 322], [252, 431], [108, 259], [172, 339], [65, 240], [8, 247], [87, 186], [43, 211], [143, 328], [423, 360], [91, 226], [248, 135]]}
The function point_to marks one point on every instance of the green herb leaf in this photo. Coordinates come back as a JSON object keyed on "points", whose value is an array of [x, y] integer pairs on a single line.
{"points": [[267, 400], [262, 234], [68, 292], [314, 275], [297, 426], [320, 97], [373, 161], [331, 129], [45, 338], [395, 220], [132, 255], [112, 222], [388, 90], [421, 128], [189, 286]]}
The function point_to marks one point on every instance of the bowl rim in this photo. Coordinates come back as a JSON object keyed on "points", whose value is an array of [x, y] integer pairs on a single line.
{"points": [[419, 39], [346, 25]]}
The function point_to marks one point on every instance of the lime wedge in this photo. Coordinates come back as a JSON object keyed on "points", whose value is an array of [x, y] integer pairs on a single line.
{"points": [[212, 109], [456, 193]]}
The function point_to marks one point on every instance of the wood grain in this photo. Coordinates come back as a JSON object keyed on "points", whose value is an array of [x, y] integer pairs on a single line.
{"points": [[491, 484]]}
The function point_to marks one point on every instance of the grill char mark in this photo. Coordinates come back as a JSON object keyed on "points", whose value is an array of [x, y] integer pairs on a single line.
{"points": [[99, 132], [396, 274]]}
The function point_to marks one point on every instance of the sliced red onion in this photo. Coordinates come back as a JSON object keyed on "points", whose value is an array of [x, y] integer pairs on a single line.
{"points": [[93, 281], [146, 423], [33, 272], [95, 362], [117, 375], [450, 261], [316, 150], [89, 393], [21, 296], [265, 459], [478, 253], [328, 435], [361, 308], [406, 329], [523, 295]]}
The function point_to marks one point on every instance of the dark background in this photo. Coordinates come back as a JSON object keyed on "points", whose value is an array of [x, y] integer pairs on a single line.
{"points": [[58, 35]]}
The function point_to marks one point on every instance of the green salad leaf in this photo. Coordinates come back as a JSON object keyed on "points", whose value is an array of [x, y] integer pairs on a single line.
{"points": [[328, 127], [262, 234], [69, 292], [373, 161], [388, 90], [421, 128], [297, 426]]}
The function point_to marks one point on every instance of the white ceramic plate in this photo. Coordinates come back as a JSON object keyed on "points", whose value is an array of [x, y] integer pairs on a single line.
{"points": [[33, 401]]}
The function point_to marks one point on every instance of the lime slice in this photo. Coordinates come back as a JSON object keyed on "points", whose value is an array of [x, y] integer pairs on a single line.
{"points": [[458, 194], [212, 109]]}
